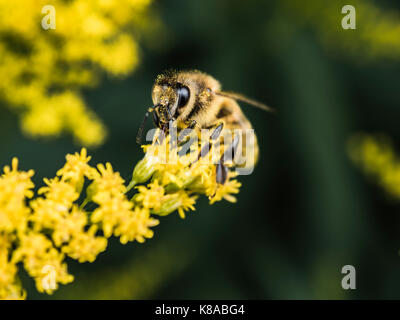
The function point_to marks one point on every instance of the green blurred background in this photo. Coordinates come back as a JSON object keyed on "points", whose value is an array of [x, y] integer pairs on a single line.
{"points": [[306, 211]]}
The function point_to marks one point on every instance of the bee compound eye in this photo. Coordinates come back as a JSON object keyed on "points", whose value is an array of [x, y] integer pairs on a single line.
{"points": [[183, 96]]}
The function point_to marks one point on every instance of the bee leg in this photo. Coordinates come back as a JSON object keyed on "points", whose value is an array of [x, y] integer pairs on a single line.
{"points": [[170, 116], [161, 134], [229, 153], [156, 119], [221, 169], [161, 137], [214, 136], [170, 129], [221, 173], [217, 131], [191, 124], [172, 132]]}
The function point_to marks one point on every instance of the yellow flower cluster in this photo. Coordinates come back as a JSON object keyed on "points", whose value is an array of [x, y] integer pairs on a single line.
{"points": [[115, 211], [375, 155], [376, 36], [177, 179], [43, 70], [40, 231]]}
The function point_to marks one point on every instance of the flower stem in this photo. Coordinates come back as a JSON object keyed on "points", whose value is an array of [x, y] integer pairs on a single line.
{"points": [[130, 186], [84, 203]]}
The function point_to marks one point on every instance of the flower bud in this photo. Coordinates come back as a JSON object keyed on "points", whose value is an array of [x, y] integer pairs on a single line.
{"points": [[144, 169], [170, 204]]}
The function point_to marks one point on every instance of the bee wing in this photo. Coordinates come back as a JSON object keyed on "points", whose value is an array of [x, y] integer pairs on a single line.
{"points": [[240, 97]]}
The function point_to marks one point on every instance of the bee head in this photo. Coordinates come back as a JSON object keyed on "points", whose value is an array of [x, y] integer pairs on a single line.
{"points": [[176, 94], [171, 95]]}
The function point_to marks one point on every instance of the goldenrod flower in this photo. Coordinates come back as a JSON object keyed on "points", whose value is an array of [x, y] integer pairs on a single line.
{"points": [[150, 197], [85, 246], [37, 252], [49, 212], [225, 191], [15, 187], [106, 184], [41, 232], [136, 226], [376, 36], [76, 168], [89, 37], [180, 201], [175, 177], [9, 288], [69, 227], [375, 155]]}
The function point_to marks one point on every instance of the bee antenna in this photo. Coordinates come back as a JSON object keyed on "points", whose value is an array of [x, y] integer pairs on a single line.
{"points": [[139, 135]]}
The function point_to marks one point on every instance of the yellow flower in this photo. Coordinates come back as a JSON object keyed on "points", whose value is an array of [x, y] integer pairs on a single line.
{"points": [[111, 212], [38, 254], [85, 246], [59, 191], [180, 201], [22, 178], [151, 196], [377, 38], [175, 177], [107, 184], [49, 211], [90, 37], [136, 226], [176, 172], [12, 292], [155, 155], [69, 226], [376, 157], [9, 288], [115, 212], [204, 181], [225, 191], [41, 232], [76, 168], [15, 187]]}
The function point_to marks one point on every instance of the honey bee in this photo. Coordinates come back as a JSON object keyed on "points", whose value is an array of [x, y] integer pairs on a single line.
{"points": [[195, 101]]}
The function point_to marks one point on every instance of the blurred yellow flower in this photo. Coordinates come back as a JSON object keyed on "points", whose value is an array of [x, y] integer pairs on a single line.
{"points": [[377, 29], [9, 288], [43, 70], [15, 186], [375, 155]]}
